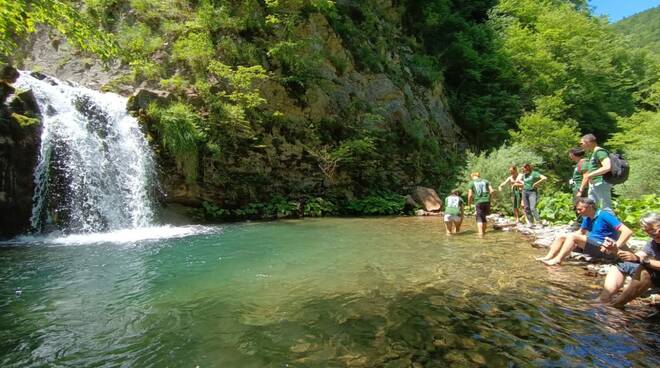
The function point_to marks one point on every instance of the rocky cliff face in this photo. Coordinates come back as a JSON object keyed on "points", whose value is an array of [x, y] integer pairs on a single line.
{"points": [[281, 163], [19, 145]]}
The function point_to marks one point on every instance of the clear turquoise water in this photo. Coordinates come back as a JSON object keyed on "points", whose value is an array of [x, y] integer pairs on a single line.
{"points": [[378, 292]]}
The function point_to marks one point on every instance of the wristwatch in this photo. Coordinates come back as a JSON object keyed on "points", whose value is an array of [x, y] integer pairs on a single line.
{"points": [[646, 261]]}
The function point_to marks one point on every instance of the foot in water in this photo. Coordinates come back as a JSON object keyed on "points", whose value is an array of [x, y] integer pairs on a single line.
{"points": [[551, 262], [544, 258]]}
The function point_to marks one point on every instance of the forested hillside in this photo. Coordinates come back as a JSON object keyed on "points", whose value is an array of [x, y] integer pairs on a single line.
{"points": [[322, 106], [642, 30]]}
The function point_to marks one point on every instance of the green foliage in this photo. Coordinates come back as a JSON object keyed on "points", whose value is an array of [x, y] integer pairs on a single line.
{"points": [[195, 49], [138, 40], [558, 51], [317, 207], [638, 140], [211, 212], [631, 210], [299, 60], [21, 17], [557, 208], [551, 144], [178, 127], [279, 206], [378, 204], [642, 29], [481, 87], [24, 121]]}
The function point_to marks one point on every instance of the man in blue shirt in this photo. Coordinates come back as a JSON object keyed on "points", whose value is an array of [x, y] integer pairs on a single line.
{"points": [[643, 267], [599, 233]]}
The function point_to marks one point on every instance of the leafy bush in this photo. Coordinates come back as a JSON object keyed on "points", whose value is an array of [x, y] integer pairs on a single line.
{"points": [[210, 211], [195, 49], [317, 207], [557, 208], [180, 134], [639, 140], [380, 204], [631, 210], [279, 206]]}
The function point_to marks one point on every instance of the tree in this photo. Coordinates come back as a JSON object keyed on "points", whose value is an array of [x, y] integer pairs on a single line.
{"points": [[21, 17]]}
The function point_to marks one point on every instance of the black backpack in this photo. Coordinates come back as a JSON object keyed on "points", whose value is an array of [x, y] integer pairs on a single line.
{"points": [[619, 170]]}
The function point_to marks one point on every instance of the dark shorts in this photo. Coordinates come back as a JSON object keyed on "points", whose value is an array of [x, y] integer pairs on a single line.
{"points": [[655, 276], [483, 210], [592, 248], [629, 269], [516, 197]]}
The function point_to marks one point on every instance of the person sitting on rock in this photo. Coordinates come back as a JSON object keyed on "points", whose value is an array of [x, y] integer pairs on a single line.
{"points": [[454, 205], [643, 267], [599, 232]]}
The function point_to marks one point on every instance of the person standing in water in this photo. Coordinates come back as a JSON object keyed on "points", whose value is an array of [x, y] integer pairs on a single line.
{"points": [[454, 205], [531, 180], [516, 181], [479, 191]]}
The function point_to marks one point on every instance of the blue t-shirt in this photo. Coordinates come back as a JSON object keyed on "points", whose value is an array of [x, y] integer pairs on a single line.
{"points": [[604, 224], [652, 249]]}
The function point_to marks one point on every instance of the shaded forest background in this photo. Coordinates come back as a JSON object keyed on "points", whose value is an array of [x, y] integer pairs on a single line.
{"points": [[523, 79]]}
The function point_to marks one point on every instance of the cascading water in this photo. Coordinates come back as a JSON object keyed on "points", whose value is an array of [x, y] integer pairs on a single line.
{"points": [[95, 170]]}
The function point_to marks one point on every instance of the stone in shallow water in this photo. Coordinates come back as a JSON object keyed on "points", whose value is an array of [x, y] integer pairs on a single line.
{"points": [[456, 357], [477, 358]]}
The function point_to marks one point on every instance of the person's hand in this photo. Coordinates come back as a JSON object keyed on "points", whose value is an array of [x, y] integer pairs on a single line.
{"points": [[608, 246], [627, 256]]}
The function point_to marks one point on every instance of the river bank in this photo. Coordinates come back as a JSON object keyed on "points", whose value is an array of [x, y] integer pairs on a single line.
{"points": [[542, 237]]}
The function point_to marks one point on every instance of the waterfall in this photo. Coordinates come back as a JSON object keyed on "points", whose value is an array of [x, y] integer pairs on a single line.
{"points": [[95, 170]]}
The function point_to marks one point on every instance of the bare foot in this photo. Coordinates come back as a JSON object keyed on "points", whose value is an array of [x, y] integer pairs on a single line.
{"points": [[448, 233], [551, 262], [544, 258]]}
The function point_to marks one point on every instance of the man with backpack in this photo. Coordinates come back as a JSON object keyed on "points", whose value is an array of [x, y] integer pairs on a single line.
{"points": [[598, 165]]}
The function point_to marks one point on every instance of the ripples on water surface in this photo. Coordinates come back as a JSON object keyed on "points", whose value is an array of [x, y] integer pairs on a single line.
{"points": [[389, 292]]}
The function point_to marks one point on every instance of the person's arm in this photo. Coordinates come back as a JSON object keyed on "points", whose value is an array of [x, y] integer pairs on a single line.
{"points": [[620, 244], [626, 233], [541, 180], [499, 187], [583, 184], [606, 166], [490, 189], [469, 197], [653, 264], [629, 256]]}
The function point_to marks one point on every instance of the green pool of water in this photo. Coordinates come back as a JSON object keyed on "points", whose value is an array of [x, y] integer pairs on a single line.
{"points": [[377, 292]]}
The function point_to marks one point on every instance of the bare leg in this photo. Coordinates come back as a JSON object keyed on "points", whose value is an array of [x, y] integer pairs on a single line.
{"points": [[481, 228], [638, 285], [613, 282], [448, 227], [554, 248], [570, 243], [516, 214], [457, 224]]}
